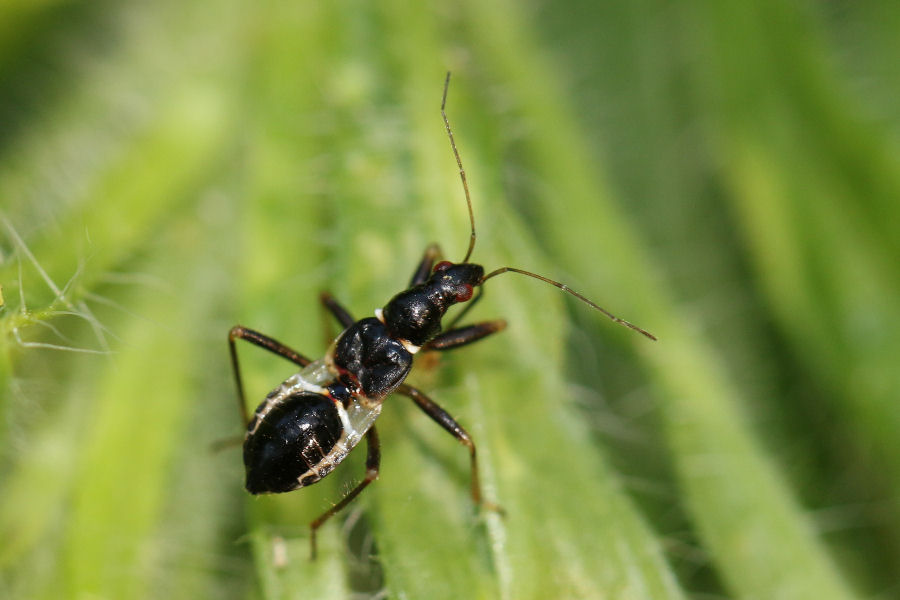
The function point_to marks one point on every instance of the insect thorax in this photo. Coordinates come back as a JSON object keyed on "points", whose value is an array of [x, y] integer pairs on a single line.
{"points": [[375, 362]]}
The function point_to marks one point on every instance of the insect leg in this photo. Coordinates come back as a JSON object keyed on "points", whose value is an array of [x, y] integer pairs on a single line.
{"points": [[263, 341], [340, 313], [442, 418], [373, 462], [453, 338], [432, 253]]}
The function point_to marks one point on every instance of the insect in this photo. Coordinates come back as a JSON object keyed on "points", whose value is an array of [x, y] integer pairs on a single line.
{"points": [[307, 425]]}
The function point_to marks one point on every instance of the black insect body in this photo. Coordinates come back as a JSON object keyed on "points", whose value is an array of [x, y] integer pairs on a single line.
{"points": [[307, 425]]}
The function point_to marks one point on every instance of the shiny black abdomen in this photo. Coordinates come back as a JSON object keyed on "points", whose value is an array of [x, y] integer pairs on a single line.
{"points": [[292, 438], [379, 362]]}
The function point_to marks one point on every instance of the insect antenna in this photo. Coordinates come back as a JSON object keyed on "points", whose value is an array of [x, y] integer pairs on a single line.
{"points": [[569, 290], [462, 172]]}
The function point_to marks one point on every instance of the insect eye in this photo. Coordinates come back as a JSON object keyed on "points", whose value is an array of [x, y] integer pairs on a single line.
{"points": [[464, 292], [442, 266]]}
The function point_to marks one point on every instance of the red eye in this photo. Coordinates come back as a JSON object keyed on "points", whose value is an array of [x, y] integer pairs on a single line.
{"points": [[442, 266], [464, 292]]}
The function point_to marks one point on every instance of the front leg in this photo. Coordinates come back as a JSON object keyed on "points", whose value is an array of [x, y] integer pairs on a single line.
{"points": [[423, 271], [454, 338]]}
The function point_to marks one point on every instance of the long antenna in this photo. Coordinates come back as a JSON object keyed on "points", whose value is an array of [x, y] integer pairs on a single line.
{"points": [[566, 288], [462, 172]]}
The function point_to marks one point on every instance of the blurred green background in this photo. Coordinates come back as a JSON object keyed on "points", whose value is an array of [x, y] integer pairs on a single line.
{"points": [[722, 173]]}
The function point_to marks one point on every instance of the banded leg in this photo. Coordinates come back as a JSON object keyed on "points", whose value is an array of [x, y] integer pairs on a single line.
{"points": [[263, 341], [373, 463], [423, 271], [454, 338], [442, 418]]}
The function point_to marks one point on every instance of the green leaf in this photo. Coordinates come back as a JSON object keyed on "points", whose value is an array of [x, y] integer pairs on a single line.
{"points": [[714, 172]]}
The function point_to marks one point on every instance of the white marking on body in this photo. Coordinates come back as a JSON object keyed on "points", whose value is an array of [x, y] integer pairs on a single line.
{"points": [[308, 379], [410, 347], [356, 420]]}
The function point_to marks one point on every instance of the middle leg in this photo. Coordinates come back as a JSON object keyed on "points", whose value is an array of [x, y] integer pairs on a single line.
{"points": [[442, 418], [338, 312], [256, 338], [334, 307]]}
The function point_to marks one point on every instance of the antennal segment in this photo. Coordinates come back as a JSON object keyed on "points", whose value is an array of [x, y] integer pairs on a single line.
{"points": [[569, 290], [462, 172]]}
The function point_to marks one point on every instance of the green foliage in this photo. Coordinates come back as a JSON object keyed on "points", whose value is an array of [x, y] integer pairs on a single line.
{"points": [[721, 173]]}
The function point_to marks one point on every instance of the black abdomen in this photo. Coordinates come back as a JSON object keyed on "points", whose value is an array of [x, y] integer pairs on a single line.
{"points": [[291, 438]]}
